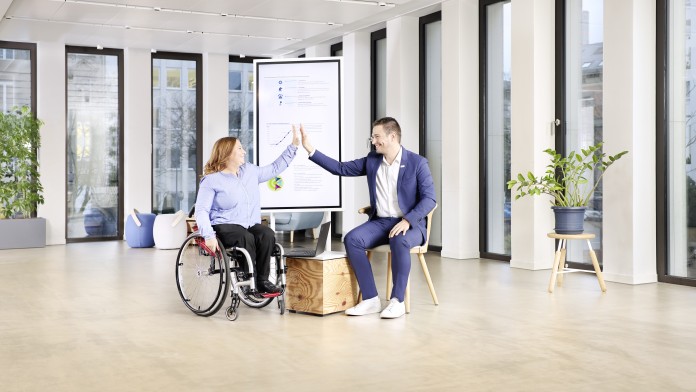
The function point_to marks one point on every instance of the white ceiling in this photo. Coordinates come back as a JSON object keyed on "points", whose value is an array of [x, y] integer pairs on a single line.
{"points": [[249, 27]]}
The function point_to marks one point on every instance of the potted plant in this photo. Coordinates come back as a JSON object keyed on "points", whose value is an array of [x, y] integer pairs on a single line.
{"points": [[570, 181], [20, 188]]}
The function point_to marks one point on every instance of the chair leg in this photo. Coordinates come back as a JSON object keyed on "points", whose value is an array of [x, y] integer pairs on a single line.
{"points": [[561, 267], [554, 268], [407, 297], [389, 276], [426, 272], [598, 271], [292, 235]]}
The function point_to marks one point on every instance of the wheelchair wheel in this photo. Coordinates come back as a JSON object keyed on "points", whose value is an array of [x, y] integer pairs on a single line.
{"points": [[202, 279]]}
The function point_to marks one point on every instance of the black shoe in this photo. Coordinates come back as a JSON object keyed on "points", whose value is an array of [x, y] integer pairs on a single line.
{"points": [[267, 287]]}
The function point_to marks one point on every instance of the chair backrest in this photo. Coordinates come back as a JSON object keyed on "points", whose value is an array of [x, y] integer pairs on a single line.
{"points": [[428, 224]]}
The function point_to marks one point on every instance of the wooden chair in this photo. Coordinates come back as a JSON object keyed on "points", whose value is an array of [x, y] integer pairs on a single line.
{"points": [[419, 250]]}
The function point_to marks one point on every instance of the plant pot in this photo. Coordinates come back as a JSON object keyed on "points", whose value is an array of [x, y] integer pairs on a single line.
{"points": [[569, 220], [22, 233]]}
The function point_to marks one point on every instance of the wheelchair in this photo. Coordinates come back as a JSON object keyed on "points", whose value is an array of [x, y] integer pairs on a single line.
{"points": [[204, 278]]}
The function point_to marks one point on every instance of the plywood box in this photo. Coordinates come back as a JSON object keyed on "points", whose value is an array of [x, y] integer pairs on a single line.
{"points": [[320, 286]]}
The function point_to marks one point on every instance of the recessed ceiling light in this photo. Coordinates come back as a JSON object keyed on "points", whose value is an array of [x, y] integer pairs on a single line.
{"points": [[241, 56], [126, 27], [157, 9], [223, 14], [330, 23], [189, 31]]}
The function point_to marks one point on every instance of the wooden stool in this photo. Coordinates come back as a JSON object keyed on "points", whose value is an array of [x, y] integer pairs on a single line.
{"points": [[559, 269], [320, 285]]}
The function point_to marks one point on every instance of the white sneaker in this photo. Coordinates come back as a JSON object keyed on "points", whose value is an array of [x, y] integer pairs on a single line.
{"points": [[367, 306], [394, 309]]}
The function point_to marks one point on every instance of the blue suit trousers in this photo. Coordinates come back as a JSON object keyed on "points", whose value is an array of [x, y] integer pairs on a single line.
{"points": [[374, 233]]}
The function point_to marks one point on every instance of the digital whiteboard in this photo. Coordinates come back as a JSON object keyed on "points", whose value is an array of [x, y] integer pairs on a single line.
{"points": [[307, 92]]}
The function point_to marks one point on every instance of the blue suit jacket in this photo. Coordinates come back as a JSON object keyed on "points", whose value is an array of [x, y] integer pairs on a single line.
{"points": [[415, 188]]}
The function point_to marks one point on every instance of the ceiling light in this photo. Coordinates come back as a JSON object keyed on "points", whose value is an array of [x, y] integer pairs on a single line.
{"points": [[153, 50], [382, 4], [241, 56], [330, 23], [157, 9], [162, 30], [99, 47], [223, 14], [127, 27]]}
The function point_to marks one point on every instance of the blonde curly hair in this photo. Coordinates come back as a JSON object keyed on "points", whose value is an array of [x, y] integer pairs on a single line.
{"points": [[222, 149]]}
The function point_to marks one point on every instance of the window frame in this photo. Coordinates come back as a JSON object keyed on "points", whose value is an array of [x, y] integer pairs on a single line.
{"points": [[121, 116]]}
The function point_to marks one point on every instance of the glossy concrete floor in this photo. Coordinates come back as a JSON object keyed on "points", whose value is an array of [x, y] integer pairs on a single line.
{"points": [[105, 317]]}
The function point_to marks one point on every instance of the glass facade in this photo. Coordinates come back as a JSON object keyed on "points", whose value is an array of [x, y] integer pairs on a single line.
{"points": [[15, 78], [379, 74], [93, 146], [241, 105], [497, 129], [584, 62], [682, 139], [432, 45], [174, 135]]}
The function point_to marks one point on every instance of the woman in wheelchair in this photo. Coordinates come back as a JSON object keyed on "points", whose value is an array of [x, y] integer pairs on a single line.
{"points": [[228, 203]]}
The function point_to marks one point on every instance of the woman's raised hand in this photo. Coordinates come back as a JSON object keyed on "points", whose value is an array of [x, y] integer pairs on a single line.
{"points": [[295, 136], [305, 140]]}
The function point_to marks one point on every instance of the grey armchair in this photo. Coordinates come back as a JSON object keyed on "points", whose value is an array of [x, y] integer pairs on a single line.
{"points": [[291, 221]]}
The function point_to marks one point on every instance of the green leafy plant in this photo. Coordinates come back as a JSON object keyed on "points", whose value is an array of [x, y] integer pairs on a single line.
{"points": [[20, 188], [565, 177]]}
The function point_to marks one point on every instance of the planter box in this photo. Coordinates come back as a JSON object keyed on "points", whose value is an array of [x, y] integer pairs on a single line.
{"points": [[22, 233]]}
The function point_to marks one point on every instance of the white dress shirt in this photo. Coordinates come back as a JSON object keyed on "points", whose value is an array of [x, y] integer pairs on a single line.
{"points": [[387, 177]]}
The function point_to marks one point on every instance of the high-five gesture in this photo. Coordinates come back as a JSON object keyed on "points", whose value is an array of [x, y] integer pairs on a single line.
{"points": [[295, 136], [305, 141]]}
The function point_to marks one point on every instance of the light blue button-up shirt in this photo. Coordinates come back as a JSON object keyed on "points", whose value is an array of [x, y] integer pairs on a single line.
{"points": [[235, 199]]}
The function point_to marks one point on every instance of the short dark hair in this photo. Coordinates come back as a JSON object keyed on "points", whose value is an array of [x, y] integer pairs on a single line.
{"points": [[390, 125]]}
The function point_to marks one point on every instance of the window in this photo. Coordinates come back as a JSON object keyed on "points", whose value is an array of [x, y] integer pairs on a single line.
{"points": [[579, 101], [155, 78], [495, 131], [17, 75], [240, 101], [173, 78], [94, 144], [430, 52], [176, 134], [235, 81], [676, 111], [379, 74]]}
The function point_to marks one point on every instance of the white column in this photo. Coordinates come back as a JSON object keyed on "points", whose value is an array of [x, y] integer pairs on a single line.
{"points": [[355, 129], [323, 50], [460, 129], [532, 105], [215, 100], [629, 124], [402, 78], [50, 69], [137, 132]]}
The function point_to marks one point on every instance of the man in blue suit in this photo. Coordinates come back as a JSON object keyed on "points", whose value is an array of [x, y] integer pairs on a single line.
{"points": [[401, 196]]}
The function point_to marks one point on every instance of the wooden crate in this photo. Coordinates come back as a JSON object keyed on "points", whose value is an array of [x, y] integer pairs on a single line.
{"points": [[320, 286]]}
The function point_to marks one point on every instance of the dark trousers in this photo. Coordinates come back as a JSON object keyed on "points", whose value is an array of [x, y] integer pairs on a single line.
{"points": [[258, 240], [374, 233]]}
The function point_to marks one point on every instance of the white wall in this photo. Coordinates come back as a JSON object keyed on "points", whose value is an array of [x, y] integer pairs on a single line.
{"points": [[460, 129], [356, 123], [629, 124], [137, 132], [50, 78]]}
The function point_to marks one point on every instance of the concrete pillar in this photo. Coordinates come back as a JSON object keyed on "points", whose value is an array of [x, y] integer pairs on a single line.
{"points": [[459, 201], [629, 124]]}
